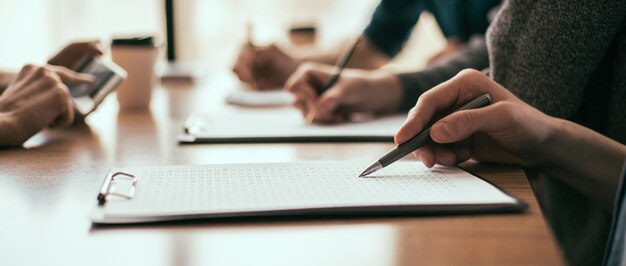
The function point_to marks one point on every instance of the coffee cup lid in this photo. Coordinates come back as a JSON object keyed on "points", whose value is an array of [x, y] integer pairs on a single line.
{"points": [[134, 41]]}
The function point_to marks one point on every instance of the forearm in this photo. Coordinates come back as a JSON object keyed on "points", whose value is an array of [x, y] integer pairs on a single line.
{"points": [[416, 83], [584, 159], [366, 56]]}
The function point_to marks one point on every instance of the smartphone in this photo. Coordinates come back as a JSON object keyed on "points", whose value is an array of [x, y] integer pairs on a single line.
{"points": [[107, 76]]}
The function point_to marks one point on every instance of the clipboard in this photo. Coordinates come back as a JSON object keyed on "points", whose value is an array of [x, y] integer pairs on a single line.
{"points": [[302, 189], [284, 124]]}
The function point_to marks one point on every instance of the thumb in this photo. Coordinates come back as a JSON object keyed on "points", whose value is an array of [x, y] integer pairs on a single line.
{"points": [[95, 47], [70, 77], [328, 103], [318, 75], [463, 124]]}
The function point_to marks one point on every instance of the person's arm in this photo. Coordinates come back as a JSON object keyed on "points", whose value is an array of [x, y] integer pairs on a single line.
{"points": [[366, 56], [270, 67], [373, 91], [392, 23], [416, 83], [586, 160], [383, 38]]}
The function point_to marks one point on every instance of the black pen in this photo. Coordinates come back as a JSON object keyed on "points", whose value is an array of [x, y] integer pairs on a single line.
{"points": [[341, 64], [419, 140]]}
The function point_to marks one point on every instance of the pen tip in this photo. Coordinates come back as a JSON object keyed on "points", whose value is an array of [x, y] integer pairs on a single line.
{"points": [[372, 168]]}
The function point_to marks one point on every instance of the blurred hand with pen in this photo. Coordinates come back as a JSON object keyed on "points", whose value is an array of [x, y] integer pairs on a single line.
{"points": [[269, 67], [264, 68], [355, 91]]}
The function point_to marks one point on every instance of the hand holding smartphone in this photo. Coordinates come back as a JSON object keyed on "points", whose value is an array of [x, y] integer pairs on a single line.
{"points": [[107, 76]]}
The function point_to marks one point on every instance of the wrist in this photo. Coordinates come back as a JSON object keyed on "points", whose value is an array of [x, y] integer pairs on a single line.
{"points": [[549, 145]]}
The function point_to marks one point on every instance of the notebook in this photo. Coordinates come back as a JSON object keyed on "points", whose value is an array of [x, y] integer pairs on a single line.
{"points": [[250, 98], [169, 193], [284, 124]]}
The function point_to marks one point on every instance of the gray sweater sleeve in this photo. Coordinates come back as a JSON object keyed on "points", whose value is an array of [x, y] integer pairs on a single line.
{"points": [[549, 53], [415, 83]]}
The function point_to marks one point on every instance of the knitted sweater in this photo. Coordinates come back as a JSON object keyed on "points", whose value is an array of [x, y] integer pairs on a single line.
{"points": [[567, 58]]}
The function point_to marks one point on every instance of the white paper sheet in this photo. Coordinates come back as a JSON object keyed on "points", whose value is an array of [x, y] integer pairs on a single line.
{"points": [[246, 189], [250, 98], [285, 123]]}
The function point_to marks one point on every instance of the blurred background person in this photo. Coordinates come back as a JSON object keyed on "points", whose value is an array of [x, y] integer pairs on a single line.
{"points": [[390, 27]]}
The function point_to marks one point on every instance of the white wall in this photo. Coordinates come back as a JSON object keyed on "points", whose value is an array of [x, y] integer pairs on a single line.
{"points": [[31, 30], [208, 30], [24, 31]]}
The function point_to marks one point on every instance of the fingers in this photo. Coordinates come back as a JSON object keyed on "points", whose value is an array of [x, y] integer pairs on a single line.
{"points": [[244, 66], [85, 47], [452, 134], [304, 84], [59, 99], [26, 70], [465, 86], [264, 55], [73, 53], [21, 77], [327, 105], [94, 47], [304, 97], [31, 81], [463, 124], [71, 77], [40, 94], [264, 67], [52, 107], [448, 155]]}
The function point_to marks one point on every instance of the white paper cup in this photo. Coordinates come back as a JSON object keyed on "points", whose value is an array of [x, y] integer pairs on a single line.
{"points": [[139, 61]]}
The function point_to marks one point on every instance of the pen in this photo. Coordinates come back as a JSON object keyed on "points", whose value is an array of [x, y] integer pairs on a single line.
{"points": [[341, 64], [251, 44], [419, 140]]}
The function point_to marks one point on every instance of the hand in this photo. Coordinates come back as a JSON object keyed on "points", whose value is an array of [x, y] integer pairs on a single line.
{"points": [[264, 67], [37, 98], [508, 130], [355, 91], [71, 54]]}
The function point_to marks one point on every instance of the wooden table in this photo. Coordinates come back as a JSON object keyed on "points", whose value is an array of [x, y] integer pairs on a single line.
{"points": [[48, 189]]}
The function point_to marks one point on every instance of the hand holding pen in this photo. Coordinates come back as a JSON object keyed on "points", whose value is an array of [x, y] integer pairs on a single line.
{"points": [[308, 89], [263, 67], [507, 131], [420, 139]]}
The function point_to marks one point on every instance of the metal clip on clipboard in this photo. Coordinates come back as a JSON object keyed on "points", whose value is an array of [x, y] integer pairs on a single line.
{"points": [[110, 186]]}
